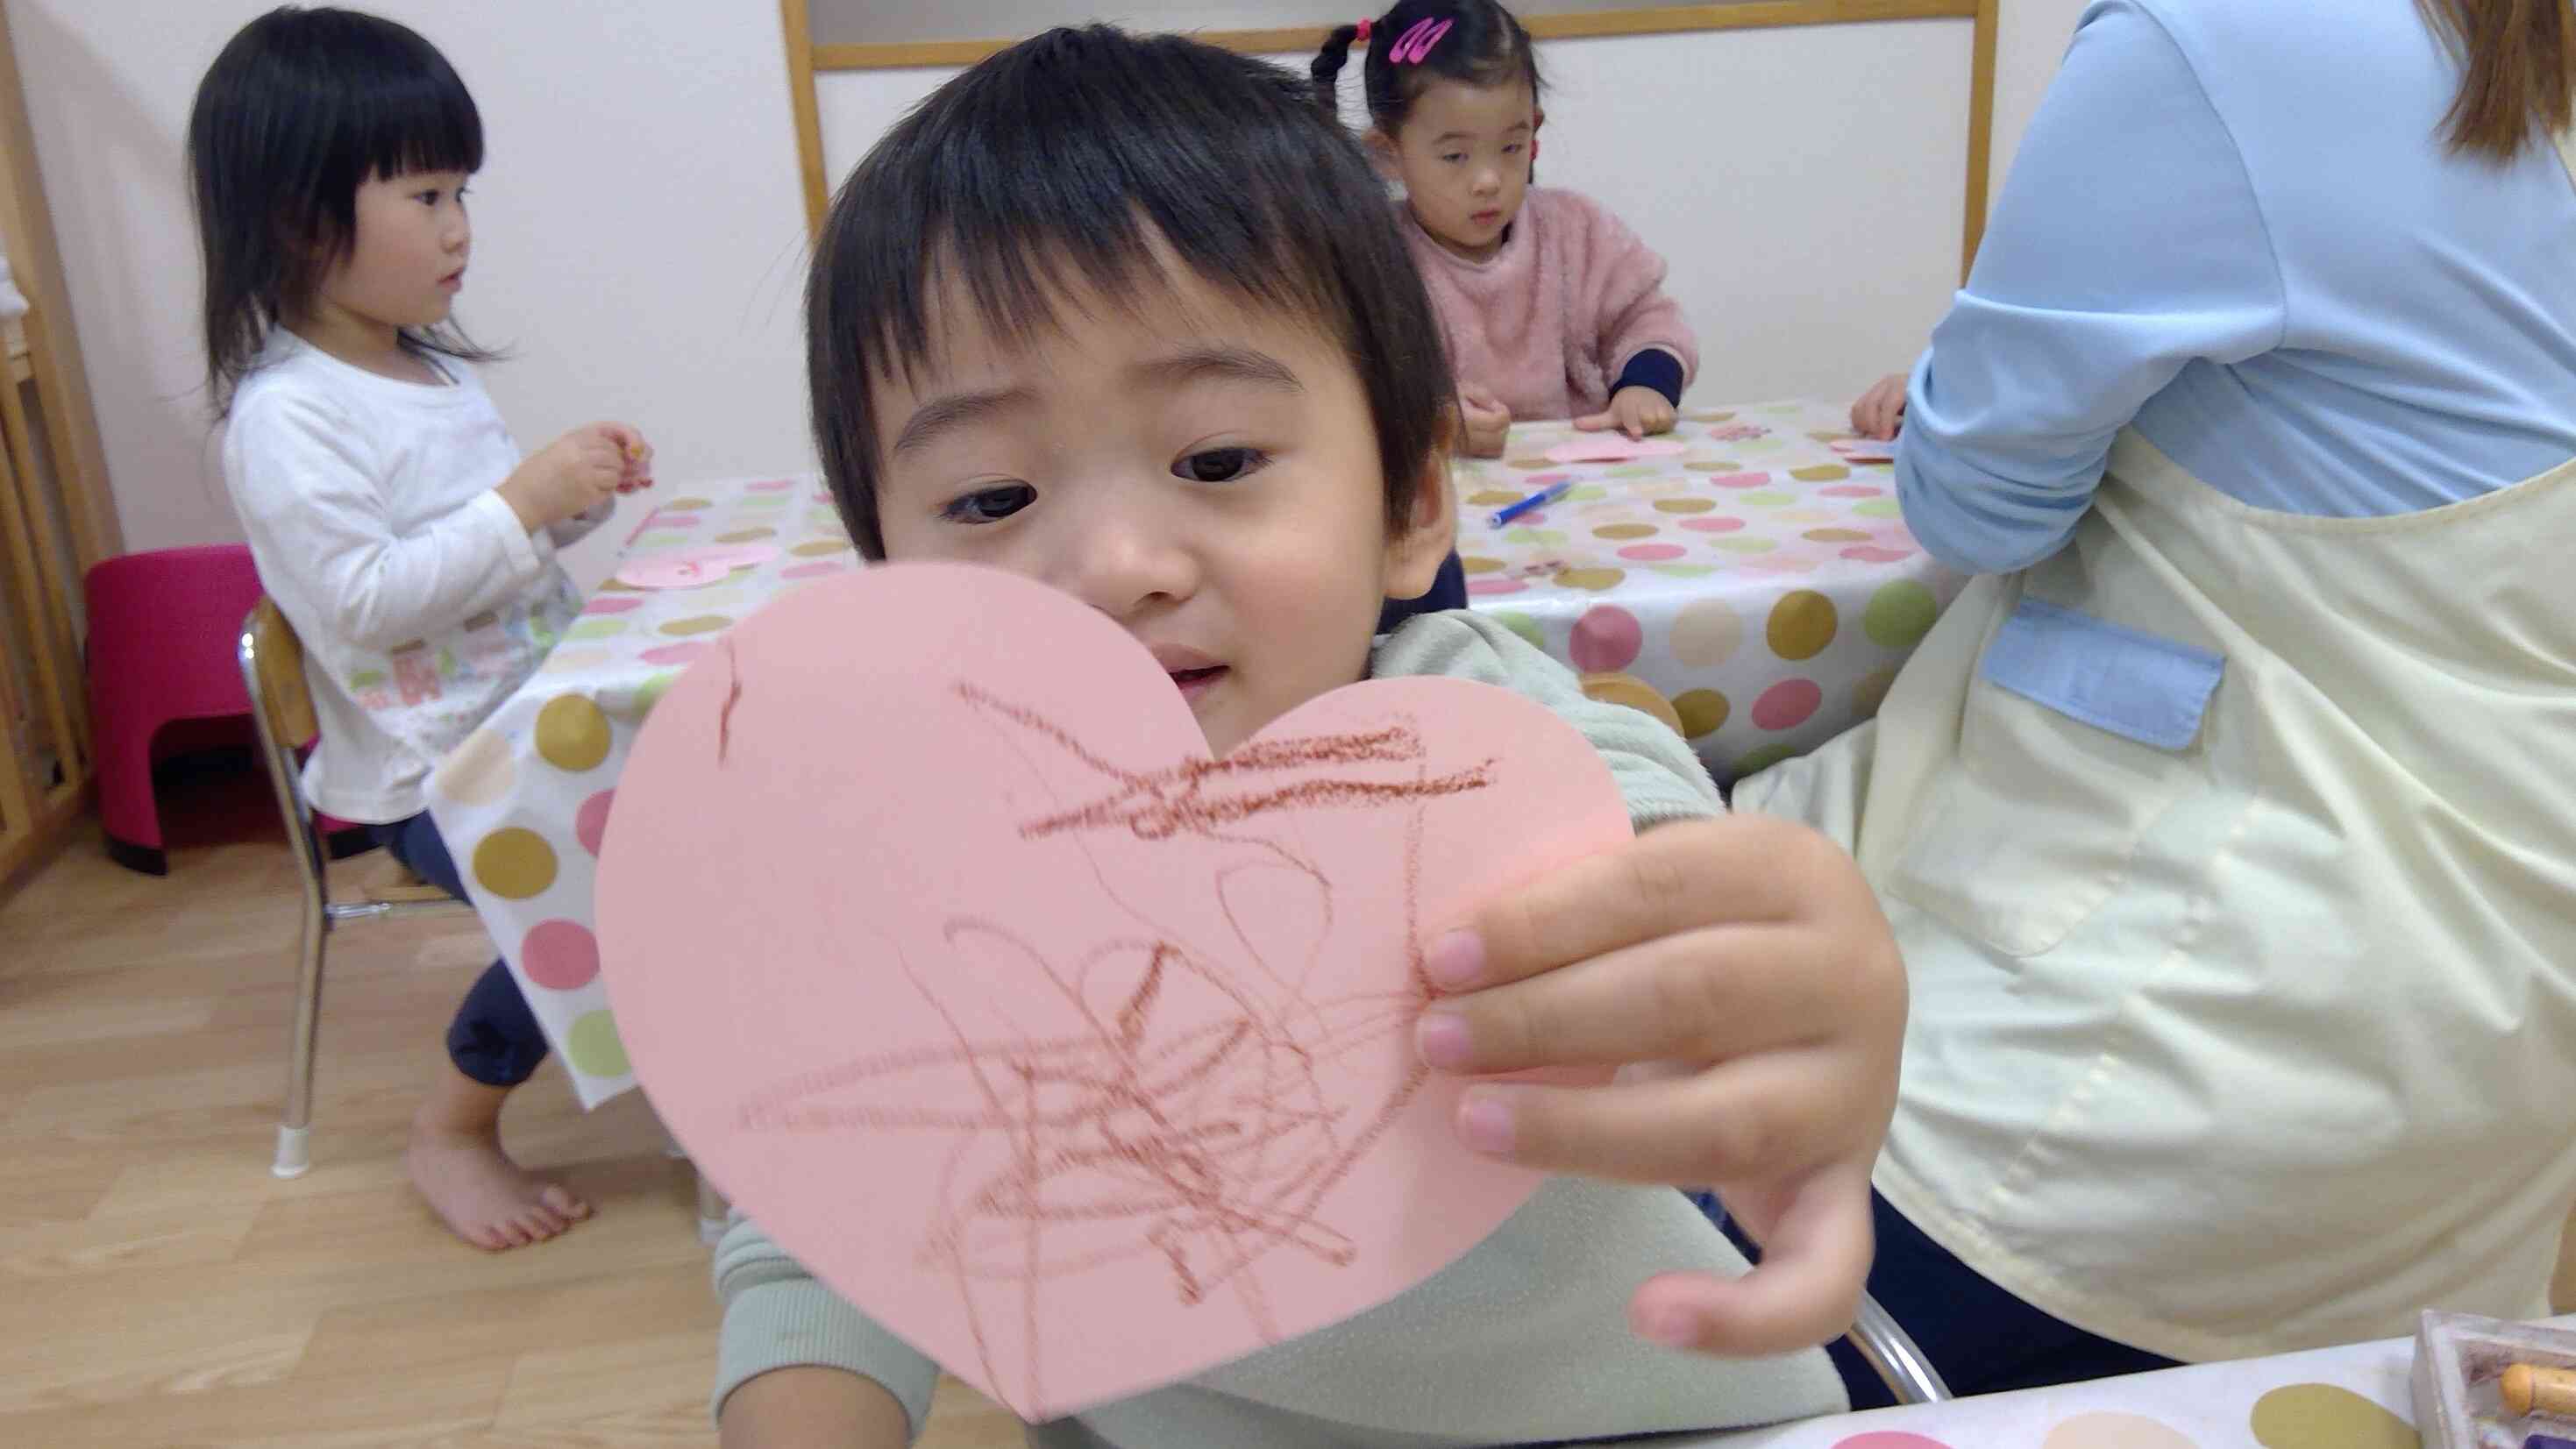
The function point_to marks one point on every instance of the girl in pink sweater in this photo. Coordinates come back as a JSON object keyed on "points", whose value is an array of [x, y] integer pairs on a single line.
{"points": [[1552, 308]]}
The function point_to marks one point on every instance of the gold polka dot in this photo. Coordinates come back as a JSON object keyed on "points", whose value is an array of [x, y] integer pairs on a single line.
{"points": [[1634, 693], [1624, 530], [1481, 565], [514, 863], [1703, 712], [1594, 579], [1802, 624], [1827, 436], [687, 505], [1493, 498], [572, 733], [614, 585], [819, 547], [479, 771], [746, 535], [1836, 535], [1703, 415], [1531, 465], [1871, 692], [1820, 473], [1683, 505], [697, 624], [1727, 466]]}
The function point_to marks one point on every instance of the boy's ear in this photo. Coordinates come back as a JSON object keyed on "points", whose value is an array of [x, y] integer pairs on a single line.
{"points": [[1414, 557]]}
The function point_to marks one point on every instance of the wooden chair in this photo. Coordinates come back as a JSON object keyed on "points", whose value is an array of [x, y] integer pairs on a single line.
{"points": [[281, 706]]}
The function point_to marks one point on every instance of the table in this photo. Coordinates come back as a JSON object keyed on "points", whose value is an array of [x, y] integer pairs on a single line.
{"points": [[523, 801], [1758, 585], [2355, 1397]]}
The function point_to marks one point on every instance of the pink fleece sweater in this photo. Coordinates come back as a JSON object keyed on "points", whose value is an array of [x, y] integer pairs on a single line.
{"points": [[1549, 321]]}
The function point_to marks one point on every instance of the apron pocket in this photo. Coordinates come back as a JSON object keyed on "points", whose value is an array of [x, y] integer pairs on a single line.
{"points": [[2077, 736]]}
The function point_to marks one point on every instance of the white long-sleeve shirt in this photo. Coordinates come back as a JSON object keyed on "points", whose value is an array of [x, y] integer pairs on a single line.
{"points": [[421, 600]]}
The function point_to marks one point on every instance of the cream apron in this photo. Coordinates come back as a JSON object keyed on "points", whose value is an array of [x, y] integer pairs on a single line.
{"points": [[2233, 857]]}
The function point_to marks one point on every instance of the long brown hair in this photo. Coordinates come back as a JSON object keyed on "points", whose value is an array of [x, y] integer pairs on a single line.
{"points": [[2520, 57]]}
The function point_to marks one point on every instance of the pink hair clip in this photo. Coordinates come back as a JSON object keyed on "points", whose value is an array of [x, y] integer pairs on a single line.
{"points": [[1415, 44], [1364, 27]]}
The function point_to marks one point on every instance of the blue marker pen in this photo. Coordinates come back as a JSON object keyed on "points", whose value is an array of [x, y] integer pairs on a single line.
{"points": [[1532, 503]]}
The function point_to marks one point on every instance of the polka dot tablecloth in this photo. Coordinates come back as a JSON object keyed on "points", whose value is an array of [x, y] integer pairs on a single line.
{"points": [[2356, 1397], [524, 801], [1755, 587]]}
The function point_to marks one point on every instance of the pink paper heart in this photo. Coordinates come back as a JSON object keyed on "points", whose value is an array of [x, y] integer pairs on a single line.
{"points": [[1079, 1060], [693, 568], [1613, 449]]}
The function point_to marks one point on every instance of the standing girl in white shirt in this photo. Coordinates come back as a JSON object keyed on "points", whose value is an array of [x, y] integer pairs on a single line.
{"points": [[391, 516]]}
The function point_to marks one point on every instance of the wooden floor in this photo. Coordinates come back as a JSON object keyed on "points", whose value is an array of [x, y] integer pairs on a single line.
{"points": [[159, 1287]]}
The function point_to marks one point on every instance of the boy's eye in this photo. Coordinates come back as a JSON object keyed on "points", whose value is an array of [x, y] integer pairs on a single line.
{"points": [[1454, 157], [990, 505], [1513, 149], [1219, 465]]}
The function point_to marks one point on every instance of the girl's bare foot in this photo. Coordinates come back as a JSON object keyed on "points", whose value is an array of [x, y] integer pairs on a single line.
{"points": [[456, 1163]]}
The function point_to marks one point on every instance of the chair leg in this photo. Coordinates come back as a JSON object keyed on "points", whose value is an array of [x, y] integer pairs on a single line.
{"points": [[294, 1153], [712, 1210]]}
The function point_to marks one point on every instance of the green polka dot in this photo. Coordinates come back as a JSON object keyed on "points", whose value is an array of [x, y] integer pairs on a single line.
{"points": [[1521, 624], [572, 734], [1632, 470], [1899, 615], [514, 863], [593, 1048], [1540, 537], [1880, 508], [1588, 493], [597, 629], [697, 624], [1735, 544], [687, 505], [746, 535], [1756, 761], [1727, 466], [659, 540], [1782, 410], [1766, 498], [1684, 571], [650, 692]]}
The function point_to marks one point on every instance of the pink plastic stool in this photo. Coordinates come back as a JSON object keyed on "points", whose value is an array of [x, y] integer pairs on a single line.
{"points": [[162, 631]]}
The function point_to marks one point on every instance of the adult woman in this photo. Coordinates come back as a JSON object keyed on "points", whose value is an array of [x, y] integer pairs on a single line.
{"points": [[2222, 825]]}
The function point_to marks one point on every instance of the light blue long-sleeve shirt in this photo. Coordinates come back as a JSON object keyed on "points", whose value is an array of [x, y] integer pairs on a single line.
{"points": [[2238, 225]]}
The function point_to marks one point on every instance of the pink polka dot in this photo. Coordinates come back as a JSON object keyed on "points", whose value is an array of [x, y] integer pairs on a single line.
{"points": [[813, 570], [1864, 553], [612, 604], [1653, 552], [1713, 523], [1851, 490], [560, 955], [1607, 637], [1741, 480], [773, 485], [1788, 704], [1495, 586], [1530, 520], [674, 653], [676, 520], [590, 822]]}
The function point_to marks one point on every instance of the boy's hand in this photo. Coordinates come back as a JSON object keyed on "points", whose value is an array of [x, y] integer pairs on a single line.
{"points": [[1740, 974], [1637, 411], [811, 1408], [1488, 422], [1881, 410], [582, 469]]}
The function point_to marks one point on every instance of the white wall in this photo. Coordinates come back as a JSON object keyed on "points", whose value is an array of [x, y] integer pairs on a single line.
{"points": [[1806, 186], [638, 229], [640, 234]]}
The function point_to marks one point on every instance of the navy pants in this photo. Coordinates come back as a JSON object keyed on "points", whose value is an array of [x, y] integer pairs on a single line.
{"points": [[1982, 1339], [495, 1038]]}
